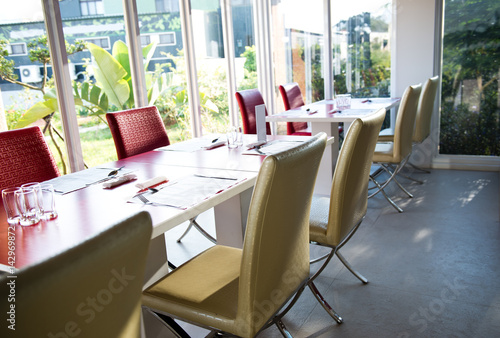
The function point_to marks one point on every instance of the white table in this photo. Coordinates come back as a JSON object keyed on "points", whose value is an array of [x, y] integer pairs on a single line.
{"points": [[323, 117]]}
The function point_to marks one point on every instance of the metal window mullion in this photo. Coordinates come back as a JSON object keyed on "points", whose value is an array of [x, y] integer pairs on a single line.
{"points": [[327, 52], [265, 72], [191, 72], [227, 31], [62, 79], [133, 37]]}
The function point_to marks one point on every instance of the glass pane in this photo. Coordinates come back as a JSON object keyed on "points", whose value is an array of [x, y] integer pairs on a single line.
{"points": [[244, 44], [361, 33], [166, 69], [211, 65], [470, 106], [298, 48]]}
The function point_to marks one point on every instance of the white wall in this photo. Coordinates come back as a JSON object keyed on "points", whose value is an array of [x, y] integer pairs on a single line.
{"points": [[414, 47]]}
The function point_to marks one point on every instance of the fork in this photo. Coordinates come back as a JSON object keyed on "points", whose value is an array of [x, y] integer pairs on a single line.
{"points": [[148, 202]]}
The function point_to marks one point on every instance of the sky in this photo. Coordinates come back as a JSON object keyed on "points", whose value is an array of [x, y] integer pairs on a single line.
{"points": [[308, 18]]}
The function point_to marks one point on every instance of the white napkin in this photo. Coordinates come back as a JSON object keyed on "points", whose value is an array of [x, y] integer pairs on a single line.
{"points": [[151, 182], [215, 145], [119, 180]]}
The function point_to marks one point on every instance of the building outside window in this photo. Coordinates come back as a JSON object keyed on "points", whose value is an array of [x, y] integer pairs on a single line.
{"points": [[17, 49], [91, 7]]}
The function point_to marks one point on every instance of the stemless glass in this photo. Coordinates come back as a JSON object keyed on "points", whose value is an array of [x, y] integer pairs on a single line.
{"points": [[27, 204], [38, 192], [48, 202], [9, 203]]}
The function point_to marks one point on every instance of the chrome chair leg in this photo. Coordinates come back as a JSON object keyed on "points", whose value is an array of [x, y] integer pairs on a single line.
{"points": [[350, 268], [418, 168], [381, 189], [193, 223], [324, 303], [284, 331]]}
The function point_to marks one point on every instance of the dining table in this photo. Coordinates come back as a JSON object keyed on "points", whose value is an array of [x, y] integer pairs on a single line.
{"points": [[325, 116], [91, 208]]}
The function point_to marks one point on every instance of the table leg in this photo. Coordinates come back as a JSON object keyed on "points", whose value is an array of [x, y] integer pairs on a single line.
{"points": [[329, 159], [231, 219]]}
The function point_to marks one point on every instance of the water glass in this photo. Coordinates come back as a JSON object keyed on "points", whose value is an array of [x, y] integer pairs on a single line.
{"points": [[239, 137], [48, 202], [27, 204], [343, 101], [38, 192], [232, 137], [9, 203]]}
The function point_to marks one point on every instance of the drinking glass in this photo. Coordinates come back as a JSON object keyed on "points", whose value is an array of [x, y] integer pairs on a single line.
{"points": [[27, 204], [48, 201], [38, 192], [9, 203], [343, 101], [232, 137]]}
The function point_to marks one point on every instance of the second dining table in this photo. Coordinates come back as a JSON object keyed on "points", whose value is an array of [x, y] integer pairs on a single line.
{"points": [[324, 116]]}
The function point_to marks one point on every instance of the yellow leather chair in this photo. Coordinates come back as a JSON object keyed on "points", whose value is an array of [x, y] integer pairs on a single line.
{"points": [[391, 156], [241, 291], [335, 219], [423, 120], [91, 290]]}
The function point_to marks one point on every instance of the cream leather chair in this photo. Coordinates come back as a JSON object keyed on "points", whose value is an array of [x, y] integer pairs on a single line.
{"points": [[334, 220], [423, 120], [241, 291], [91, 290], [392, 156]]}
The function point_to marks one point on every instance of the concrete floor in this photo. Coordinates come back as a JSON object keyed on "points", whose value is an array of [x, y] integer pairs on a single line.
{"points": [[433, 270]]}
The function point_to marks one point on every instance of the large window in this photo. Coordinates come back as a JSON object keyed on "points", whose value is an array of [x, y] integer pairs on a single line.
{"points": [[361, 33], [470, 108]]}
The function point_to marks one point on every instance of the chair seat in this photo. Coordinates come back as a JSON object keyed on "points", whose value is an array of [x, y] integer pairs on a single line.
{"points": [[318, 219], [384, 152], [215, 296]]}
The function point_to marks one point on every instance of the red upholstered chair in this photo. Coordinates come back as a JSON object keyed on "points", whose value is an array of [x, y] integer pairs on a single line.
{"points": [[292, 98], [247, 100], [137, 131], [140, 130], [25, 157]]}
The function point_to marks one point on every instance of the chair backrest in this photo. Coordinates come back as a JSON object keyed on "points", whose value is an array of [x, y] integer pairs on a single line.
{"points": [[25, 157], [405, 122], [292, 98], [247, 100], [137, 131], [91, 290], [425, 109], [349, 194], [275, 255]]}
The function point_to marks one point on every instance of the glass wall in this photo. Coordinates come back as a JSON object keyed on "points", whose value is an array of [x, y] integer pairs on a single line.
{"points": [[361, 32], [470, 103]]}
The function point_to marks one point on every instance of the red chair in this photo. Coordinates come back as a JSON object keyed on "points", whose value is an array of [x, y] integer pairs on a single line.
{"points": [[140, 130], [25, 157], [292, 98], [137, 131], [247, 100]]}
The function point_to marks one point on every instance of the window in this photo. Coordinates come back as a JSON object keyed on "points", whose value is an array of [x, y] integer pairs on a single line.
{"points": [[101, 42], [361, 48], [91, 7], [167, 6], [17, 49], [145, 40], [470, 105], [167, 38]]}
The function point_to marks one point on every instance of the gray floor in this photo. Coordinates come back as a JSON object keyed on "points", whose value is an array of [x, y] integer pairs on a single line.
{"points": [[433, 270]]}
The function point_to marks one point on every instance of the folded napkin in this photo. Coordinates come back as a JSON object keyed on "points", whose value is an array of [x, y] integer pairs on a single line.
{"points": [[215, 145], [119, 180], [151, 182]]}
